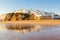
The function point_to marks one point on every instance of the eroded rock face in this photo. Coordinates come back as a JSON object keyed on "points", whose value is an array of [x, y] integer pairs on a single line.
{"points": [[24, 16], [16, 16]]}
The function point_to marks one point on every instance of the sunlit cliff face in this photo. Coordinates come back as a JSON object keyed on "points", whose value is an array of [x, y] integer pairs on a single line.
{"points": [[24, 15], [21, 16]]}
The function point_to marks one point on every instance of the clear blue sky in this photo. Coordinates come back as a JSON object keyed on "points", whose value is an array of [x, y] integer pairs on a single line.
{"points": [[45, 5]]}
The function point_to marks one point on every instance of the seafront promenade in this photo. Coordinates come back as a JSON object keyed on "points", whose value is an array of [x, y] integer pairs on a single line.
{"points": [[34, 22]]}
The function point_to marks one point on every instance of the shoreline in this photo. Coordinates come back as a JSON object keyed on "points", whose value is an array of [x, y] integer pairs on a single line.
{"points": [[52, 22]]}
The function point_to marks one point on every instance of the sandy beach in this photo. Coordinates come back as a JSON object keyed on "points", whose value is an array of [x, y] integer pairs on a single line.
{"points": [[52, 22]]}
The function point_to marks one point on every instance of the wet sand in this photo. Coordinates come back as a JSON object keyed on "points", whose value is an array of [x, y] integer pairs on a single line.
{"points": [[9, 35], [49, 34]]}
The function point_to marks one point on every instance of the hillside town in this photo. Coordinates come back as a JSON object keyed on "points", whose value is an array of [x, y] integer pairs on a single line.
{"points": [[30, 14]]}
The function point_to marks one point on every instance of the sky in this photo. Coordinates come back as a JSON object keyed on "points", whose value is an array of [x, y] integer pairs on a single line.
{"points": [[7, 6]]}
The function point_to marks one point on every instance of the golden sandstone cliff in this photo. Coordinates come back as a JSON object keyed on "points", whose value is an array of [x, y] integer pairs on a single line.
{"points": [[16, 16], [20, 16], [29, 15], [25, 15]]}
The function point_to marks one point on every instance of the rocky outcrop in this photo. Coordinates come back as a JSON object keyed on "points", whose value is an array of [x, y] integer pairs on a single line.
{"points": [[16, 16], [28, 15]]}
